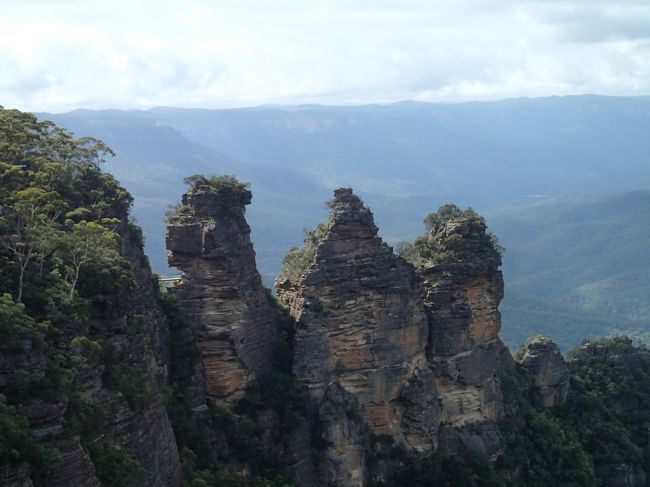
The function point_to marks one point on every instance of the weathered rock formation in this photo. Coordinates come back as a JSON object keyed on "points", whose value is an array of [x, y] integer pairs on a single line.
{"points": [[464, 287], [221, 290], [542, 359], [387, 351], [360, 342]]}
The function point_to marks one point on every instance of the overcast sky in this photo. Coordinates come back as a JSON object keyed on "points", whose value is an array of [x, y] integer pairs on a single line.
{"points": [[57, 55]]}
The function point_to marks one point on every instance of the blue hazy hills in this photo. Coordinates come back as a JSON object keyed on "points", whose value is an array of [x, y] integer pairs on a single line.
{"points": [[563, 182]]}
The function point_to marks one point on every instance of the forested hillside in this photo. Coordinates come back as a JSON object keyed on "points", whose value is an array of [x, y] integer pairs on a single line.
{"points": [[82, 359], [577, 267]]}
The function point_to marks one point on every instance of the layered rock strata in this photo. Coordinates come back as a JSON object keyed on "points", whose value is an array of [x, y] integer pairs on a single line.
{"points": [[542, 359], [221, 290], [360, 342], [133, 328], [394, 354], [464, 286]]}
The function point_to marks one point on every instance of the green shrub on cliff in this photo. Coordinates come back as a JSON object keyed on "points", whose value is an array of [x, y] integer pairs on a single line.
{"points": [[63, 225], [16, 443], [447, 213], [298, 259], [58, 216], [224, 182], [114, 467], [609, 403], [539, 449], [444, 243]]}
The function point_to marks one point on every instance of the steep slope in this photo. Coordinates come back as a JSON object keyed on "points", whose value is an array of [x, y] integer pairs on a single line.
{"points": [[84, 351], [360, 342], [459, 264], [220, 290]]}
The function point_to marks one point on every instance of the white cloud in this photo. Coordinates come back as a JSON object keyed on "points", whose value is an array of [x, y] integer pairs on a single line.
{"points": [[57, 55]]}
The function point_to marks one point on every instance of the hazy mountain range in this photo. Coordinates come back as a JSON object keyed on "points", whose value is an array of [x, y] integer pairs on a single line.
{"points": [[562, 181]]}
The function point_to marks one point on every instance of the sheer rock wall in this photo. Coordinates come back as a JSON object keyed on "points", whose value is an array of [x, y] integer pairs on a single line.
{"points": [[221, 290], [393, 355], [135, 329], [463, 292], [360, 342]]}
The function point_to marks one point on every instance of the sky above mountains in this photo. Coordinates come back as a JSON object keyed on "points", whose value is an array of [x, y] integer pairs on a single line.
{"points": [[61, 54]]}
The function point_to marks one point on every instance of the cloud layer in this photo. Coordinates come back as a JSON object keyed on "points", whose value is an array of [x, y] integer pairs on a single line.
{"points": [[62, 54]]}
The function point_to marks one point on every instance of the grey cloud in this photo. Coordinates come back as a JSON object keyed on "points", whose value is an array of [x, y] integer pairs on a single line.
{"points": [[594, 22], [603, 29]]}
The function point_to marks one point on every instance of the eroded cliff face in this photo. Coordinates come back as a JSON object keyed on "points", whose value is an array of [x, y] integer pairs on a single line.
{"points": [[464, 287], [542, 359], [221, 290], [360, 343], [131, 328], [393, 355]]}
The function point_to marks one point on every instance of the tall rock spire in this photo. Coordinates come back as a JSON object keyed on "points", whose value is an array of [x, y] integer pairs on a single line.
{"points": [[220, 289], [464, 287], [360, 341]]}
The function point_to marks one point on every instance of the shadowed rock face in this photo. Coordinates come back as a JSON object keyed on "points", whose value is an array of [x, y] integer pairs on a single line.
{"points": [[463, 291], [410, 355], [542, 359], [361, 334], [144, 433], [221, 290]]}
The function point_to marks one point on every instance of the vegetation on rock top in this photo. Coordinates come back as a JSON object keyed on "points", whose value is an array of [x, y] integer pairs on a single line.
{"points": [[225, 183], [443, 243]]}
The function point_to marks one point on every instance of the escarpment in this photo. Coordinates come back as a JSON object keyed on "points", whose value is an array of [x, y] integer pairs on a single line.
{"points": [[221, 290], [383, 368], [84, 346], [91, 391]]}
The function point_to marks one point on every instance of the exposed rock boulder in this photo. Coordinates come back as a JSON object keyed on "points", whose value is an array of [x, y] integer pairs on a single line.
{"points": [[542, 359]]}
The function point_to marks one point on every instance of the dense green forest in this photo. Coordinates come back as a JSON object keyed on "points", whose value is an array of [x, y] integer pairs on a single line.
{"points": [[59, 247], [576, 268]]}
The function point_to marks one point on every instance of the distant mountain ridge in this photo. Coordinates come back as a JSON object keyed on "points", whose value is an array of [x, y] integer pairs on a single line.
{"points": [[405, 160], [589, 259]]}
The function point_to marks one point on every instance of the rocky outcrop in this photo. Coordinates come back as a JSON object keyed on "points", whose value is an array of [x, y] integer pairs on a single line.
{"points": [[360, 342], [133, 327], [221, 290], [413, 354], [542, 359], [464, 286]]}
